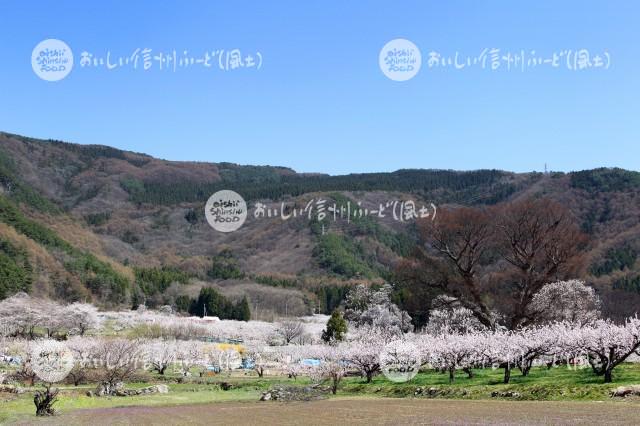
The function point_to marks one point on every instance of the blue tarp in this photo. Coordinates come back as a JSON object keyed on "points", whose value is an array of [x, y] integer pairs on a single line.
{"points": [[248, 364]]}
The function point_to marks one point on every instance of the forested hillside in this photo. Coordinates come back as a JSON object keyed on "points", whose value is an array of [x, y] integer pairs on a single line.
{"points": [[86, 222]]}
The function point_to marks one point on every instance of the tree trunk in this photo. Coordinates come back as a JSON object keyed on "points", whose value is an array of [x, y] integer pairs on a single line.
{"points": [[44, 401], [507, 373], [608, 378], [369, 376], [525, 368], [482, 313], [452, 375]]}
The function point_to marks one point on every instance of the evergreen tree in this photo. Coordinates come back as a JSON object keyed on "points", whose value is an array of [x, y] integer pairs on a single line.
{"points": [[16, 272], [191, 216], [242, 310], [211, 303], [336, 328], [225, 266], [183, 302]]}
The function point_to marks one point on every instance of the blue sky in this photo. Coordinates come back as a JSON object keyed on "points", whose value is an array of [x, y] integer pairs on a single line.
{"points": [[320, 102]]}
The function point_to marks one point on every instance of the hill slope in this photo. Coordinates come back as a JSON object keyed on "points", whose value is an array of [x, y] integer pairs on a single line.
{"points": [[94, 222]]}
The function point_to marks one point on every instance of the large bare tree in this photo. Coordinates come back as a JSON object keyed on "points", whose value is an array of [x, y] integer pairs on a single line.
{"points": [[541, 242], [462, 237], [513, 248]]}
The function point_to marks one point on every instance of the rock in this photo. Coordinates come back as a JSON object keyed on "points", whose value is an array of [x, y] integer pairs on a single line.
{"points": [[148, 390], [623, 391], [266, 396], [89, 394], [424, 391], [119, 390], [11, 389], [295, 393], [162, 388], [102, 389], [226, 386], [505, 394], [620, 391]]}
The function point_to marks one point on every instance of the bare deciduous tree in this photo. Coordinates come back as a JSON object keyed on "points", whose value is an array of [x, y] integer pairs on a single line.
{"points": [[541, 241], [290, 330], [462, 237], [527, 242], [118, 361]]}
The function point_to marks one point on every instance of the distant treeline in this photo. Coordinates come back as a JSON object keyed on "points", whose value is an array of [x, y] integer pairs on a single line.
{"points": [[606, 180], [92, 152], [615, 259], [258, 183]]}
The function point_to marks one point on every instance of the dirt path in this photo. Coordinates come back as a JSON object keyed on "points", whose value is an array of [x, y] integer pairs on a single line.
{"points": [[365, 411]]}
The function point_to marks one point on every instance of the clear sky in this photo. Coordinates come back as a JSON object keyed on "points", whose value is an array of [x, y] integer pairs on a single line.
{"points": [[320, 102]]}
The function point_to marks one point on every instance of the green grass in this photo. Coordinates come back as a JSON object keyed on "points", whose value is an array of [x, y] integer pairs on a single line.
{"points": [[556, 384], [74, 398], [560, 383]]}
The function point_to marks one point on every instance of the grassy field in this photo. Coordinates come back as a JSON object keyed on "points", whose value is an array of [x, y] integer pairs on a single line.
{"points": [[552, 385], [555, 384], [14, 407]]}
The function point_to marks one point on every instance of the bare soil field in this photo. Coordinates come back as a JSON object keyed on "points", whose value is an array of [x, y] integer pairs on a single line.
{"points": [[360, 411]]}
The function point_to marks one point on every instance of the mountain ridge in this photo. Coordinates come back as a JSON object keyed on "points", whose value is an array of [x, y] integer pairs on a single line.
{"points": [[123, 212]]}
